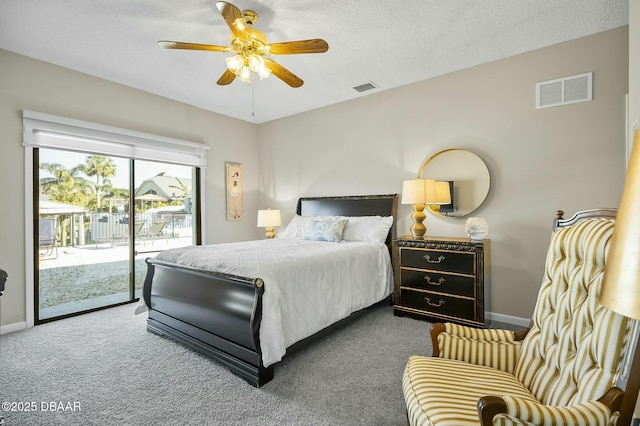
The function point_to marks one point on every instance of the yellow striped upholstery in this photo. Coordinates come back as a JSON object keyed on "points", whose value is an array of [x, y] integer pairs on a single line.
{"points": [[490, 334], [569, 359], [491, 348], [574, 348], [589, 413], [441, 391]]}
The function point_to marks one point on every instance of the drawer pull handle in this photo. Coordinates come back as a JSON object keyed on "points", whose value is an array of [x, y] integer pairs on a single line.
{"points": [[441, 281], [440, 258], [435, 305]]}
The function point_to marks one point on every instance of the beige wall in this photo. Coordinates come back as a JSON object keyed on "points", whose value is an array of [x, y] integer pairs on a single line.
{"points": [[568, 157], [38, 86]]}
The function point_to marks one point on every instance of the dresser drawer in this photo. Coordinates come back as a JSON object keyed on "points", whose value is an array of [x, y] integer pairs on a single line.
{"points": [[438, 304], [460, 262], [444, 283]]}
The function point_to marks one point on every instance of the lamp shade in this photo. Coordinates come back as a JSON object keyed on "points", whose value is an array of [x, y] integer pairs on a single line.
{"points": [[269, 218], [621, 283], [443, 195], [418, 191]]}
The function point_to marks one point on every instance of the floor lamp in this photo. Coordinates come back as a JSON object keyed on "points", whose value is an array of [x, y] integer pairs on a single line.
{"points": [[621, 284]]}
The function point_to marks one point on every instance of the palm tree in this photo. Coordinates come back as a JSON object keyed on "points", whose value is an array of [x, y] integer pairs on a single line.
{"points": [[64, 185], [184, 191], [102, 168], [117, 193]]}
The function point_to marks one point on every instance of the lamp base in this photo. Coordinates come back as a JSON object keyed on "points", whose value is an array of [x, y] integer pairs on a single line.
{"points": [[270, 233], [418, 229]]}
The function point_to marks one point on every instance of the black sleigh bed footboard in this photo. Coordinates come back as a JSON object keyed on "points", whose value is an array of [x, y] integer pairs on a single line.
{"points": [[219, 314], [213, 313]]}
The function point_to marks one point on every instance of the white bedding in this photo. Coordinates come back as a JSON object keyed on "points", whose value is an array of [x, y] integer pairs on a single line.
{"points": [[309, 285]]}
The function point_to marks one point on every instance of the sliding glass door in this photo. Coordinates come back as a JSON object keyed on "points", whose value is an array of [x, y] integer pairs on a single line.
{"points": [[164, 213], [98, 217]]}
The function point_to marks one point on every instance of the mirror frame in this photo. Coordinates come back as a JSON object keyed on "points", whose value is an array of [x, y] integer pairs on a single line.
{"points": [[433, 209]]}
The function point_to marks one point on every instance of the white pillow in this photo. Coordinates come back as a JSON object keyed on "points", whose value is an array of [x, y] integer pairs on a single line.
{"points": [[296, 228], [357, 228], [367, 228], [323, 229]]}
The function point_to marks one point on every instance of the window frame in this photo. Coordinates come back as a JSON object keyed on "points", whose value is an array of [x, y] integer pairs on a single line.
{"points": [[42, 130]]}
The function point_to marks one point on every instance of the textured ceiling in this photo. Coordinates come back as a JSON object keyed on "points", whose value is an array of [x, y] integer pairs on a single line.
{"points": [[390, 43]]}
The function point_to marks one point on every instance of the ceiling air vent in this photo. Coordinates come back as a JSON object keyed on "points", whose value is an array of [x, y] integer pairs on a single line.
{"points": [[364, 87], [563, 91]]}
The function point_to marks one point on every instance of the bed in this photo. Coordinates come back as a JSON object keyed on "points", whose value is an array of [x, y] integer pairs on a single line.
{"points": [[226, 315]]}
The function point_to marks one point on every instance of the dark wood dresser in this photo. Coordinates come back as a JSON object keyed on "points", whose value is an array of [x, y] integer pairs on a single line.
{"points": [[440, 279]]}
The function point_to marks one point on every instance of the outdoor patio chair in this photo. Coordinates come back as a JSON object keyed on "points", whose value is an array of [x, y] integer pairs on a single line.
{"points": [[156, 230], [137, 228], [47, 238]]}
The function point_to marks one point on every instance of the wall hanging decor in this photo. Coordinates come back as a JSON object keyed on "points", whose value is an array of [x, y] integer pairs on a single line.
{"points": [[234, 191]]}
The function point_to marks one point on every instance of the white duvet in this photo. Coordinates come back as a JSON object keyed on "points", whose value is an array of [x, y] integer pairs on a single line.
{"points": [[309, 285]]}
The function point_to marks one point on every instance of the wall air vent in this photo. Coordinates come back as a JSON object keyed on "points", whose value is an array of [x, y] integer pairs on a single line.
{"points": [[563, 91], [364, 87]]}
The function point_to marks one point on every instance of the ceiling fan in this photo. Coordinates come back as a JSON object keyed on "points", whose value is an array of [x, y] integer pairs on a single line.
{"points": [[251, 47]]}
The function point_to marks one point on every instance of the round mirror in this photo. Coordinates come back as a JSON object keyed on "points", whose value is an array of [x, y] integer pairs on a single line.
{"points": [[468, 178]]}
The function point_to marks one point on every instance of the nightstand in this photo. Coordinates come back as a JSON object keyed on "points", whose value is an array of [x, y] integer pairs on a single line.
{"points": [[440, 279]]}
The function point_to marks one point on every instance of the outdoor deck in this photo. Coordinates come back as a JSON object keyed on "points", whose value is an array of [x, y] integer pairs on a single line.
{"points": [[88, 276]]}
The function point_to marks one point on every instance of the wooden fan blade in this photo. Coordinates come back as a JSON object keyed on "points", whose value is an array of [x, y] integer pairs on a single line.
{"points": [[227, 77], [283, 74], [193, 46], [231, 14], [315, 45]]}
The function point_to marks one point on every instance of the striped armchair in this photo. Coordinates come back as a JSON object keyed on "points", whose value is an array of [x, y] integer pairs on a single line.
{"points": [[560, 372]]}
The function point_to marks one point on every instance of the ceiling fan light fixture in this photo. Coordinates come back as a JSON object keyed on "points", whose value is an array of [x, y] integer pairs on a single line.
{"points": [[234, 63], [244, 74], [257, 65], [256, 62], [264, 73]]}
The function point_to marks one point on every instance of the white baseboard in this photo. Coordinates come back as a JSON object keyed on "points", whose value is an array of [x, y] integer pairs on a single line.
{"points": [[10, 328], [523, 322]]}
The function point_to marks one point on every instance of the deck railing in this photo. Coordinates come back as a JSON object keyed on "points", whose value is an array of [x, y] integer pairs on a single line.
{"points": [[93, 227]]}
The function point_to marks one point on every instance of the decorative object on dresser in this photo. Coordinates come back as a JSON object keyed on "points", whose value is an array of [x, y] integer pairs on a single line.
{"points": [[440, 278], [420, 192], [476, 228], [269, 219]]}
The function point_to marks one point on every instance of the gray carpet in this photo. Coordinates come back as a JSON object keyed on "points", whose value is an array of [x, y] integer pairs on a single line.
{"points": [[119, 374]]}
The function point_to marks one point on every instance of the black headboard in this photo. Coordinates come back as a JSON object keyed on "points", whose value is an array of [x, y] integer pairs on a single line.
{"points": [[352, 205]]}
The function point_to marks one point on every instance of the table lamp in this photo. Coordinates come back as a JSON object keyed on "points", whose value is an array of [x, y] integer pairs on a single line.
{"points": [[621, 282], [420, 192], [269, 219]]}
